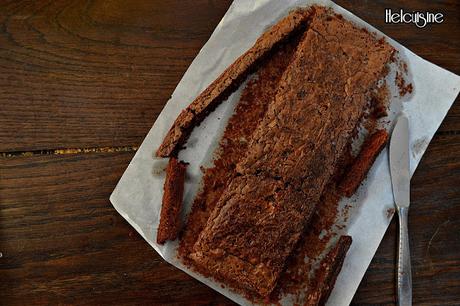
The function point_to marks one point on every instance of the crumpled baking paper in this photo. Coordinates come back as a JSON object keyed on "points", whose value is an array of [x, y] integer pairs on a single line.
{"points": [[137, 197]]}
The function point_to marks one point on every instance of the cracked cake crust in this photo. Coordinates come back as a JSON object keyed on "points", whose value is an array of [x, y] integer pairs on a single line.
{"points": [[319, 102]]}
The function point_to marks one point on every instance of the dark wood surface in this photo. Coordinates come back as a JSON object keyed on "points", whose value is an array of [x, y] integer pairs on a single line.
{"points": [[94, 74]]}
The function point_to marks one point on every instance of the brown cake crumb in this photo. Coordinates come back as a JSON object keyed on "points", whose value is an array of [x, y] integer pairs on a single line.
{"points": [[379, 101], [390, 212], [172, 201], [404, 88], [370, 150]]}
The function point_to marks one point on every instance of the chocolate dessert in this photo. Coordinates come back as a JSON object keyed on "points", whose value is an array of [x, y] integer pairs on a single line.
{"points": [[172, 201], [320, 100], [249, 110], [328, 271], [282, 151], [369, 152]]}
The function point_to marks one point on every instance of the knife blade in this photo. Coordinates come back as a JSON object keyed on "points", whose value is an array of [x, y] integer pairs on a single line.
{"points": [[400, 181], [399, 162]]}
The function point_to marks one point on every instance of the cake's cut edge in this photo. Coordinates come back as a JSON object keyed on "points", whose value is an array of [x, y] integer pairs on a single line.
{"points": [[371, 148], [169, 226], [328, 271]]}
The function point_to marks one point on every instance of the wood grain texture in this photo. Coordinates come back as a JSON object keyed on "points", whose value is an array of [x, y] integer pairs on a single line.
{"points": [[434, 224], [63, 242], [93, 73], [97, 73], [79, 74]]}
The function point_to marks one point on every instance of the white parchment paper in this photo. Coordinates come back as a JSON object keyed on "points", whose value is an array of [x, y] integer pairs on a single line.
{"points": [[137, 197]]}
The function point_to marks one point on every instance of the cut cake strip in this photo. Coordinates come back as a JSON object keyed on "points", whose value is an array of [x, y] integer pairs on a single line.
{"points": [[229, 80], [371, 148], [169, 226], [328, 271]]}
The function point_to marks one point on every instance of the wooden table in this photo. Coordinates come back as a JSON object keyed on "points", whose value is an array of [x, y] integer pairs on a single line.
{"points": [[94, 75]]}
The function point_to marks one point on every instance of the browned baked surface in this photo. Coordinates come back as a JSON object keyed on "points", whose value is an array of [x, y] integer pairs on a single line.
{"points": [[321, 98], [319, 102], [371, 148], [256, 213], [169, 226], [249, 111], [327, 272], [229, 80]]}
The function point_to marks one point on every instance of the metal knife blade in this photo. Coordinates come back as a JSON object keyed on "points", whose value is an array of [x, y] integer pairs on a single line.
{"points": [[400, 180], [399, 162]]}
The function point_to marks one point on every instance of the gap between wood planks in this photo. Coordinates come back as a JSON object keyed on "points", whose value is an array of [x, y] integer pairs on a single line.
{"points": [[442, 133], [69, 151], [113, 149]]}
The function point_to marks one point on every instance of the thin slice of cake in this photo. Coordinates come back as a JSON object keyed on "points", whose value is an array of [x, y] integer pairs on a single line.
{"points": [[371, 148], [169, 226], [327, 272], [230, 79]]}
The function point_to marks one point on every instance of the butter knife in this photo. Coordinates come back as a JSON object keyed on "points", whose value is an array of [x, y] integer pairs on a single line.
{"points": [[400, 181]]}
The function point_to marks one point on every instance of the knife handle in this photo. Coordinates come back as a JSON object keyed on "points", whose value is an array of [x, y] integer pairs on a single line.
{"points": [[404, 266]]}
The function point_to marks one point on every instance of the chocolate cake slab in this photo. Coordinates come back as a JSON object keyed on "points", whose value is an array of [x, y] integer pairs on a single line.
{"points": [[171, 206], [250, 109], [293, 152]]}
